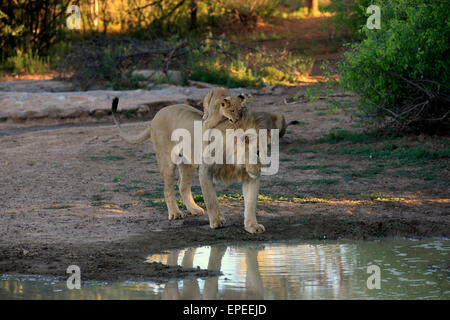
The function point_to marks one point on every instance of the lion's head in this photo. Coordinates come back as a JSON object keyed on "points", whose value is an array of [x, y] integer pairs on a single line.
{"points": [[231, 107], [244, 139]]}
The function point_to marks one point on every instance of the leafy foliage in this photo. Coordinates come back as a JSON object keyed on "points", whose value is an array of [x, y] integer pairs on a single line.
{"points": [[401, 70], [26, 62], [30, 26], [349, 15]]}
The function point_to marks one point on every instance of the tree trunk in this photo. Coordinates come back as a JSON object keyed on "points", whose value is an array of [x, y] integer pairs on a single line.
{"points": [[313, 6], [105, 17], [194, 8], [94, 12]]}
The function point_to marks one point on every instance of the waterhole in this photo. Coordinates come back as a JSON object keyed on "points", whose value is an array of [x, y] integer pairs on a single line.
{"points": [[408, 269]]}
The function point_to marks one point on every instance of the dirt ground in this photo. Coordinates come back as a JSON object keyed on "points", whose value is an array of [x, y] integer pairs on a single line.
{"points": [[83, 196]]}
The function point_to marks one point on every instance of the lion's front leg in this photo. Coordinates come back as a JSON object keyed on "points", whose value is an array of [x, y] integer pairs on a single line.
{"points": [[250, 189], [216, 220]]}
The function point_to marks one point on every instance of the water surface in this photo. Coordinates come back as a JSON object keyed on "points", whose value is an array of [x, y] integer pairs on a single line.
{"points": [[409, 269]]}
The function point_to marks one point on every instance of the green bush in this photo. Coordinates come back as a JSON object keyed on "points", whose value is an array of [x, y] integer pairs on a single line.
{"points": [[401, 71], [223, 63], [349, 15], [26, 62], [204, 64], [30, 25]]}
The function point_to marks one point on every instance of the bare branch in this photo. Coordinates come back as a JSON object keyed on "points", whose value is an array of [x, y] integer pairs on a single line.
{"points": [[428, 93]]}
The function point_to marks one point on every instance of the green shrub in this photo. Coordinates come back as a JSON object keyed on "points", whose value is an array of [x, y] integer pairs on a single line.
{"points": [[222, 63], [206, 67], [349, 15], [26, 62], [401, 70], [31, 25]]}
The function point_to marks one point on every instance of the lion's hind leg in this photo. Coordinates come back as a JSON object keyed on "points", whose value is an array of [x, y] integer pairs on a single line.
{"points": [[187, 173], [168, 173]]}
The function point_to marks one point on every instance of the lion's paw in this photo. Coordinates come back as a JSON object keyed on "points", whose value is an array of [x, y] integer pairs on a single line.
{"points": [[176, 215], [255, 228], [219, 222], [197, 211]]}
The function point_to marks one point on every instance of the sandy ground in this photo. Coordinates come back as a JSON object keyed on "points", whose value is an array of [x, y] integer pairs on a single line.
{"points": [[83, 196]]}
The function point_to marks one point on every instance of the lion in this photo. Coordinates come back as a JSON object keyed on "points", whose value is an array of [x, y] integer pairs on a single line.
{"points": [[219, 105], [227, 108], [277, 121], [182, 116], [209, 102], [247, 173]]}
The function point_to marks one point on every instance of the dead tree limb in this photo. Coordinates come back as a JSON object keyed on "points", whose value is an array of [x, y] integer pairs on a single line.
{"points": [[171, 53]]}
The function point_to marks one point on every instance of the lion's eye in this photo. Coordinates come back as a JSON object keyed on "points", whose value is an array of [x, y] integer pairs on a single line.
{"points": [[232, 111]]}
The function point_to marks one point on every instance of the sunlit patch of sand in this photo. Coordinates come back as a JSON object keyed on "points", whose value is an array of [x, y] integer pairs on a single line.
{"points": [[45, 76]]}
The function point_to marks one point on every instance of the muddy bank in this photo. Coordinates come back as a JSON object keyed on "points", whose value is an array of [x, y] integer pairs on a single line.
{"points": [[124, 259]]}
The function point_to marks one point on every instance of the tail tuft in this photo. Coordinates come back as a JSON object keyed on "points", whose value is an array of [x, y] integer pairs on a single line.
{"points": [[115, 103], [141, 137]]}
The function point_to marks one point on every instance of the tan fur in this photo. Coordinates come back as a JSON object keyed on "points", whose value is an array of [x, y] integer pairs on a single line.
{"points": [[277, 121], [163, 124], [247, 173], [141, 137], [215, 109], [225, 173], [226, 108], [219, 106], [209, 102], [183, 116]]}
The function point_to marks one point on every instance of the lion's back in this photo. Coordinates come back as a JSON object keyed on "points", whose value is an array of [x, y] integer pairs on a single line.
{"points": [[174, 117]]}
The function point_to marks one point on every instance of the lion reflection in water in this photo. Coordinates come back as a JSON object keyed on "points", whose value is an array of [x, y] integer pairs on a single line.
{"points": [[191, 289]]}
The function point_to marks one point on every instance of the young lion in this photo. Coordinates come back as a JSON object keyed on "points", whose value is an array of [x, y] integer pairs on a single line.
{"points": [[229, 107], [219, 105], [210, 100]]}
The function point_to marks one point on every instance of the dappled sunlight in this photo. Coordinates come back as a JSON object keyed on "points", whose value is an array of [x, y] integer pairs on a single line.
{"points": [[45, 76], [160, 258], [111, 208], [371, 199], [79, 209], [106, 210]]}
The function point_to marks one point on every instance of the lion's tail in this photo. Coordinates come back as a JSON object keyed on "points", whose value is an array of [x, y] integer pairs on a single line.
{"points": [[141, 137]]}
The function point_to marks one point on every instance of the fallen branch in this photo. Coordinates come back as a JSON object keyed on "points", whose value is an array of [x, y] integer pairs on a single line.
{"points": [[171, 53], [154, 51]]}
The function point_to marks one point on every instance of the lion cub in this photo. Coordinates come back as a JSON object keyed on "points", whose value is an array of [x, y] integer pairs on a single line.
{"points": [[219, 105]]}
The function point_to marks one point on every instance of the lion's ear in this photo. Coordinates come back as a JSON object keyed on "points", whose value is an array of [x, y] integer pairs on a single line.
{"points": [[207, 99], [245, 98]]}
